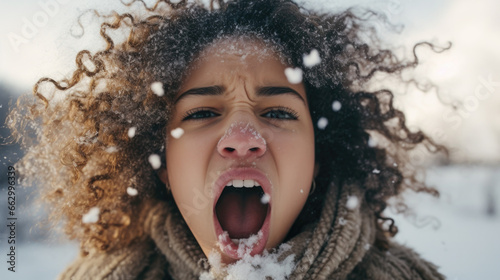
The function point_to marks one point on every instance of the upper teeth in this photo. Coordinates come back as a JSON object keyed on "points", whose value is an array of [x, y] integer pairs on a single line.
{"points": [[243, 183]]}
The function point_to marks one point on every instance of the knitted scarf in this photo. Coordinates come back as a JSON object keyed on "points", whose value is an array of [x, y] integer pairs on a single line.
{"points": [[338, 246]]}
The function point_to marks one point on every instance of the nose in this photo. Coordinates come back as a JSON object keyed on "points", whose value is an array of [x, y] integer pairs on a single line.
{"points": [[241, 141]]}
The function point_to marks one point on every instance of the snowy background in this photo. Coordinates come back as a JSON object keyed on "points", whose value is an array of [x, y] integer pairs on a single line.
{"points": [[459, 231]]}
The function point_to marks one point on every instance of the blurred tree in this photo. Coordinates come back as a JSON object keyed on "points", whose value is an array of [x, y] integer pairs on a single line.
{"points": [[491, 194]]}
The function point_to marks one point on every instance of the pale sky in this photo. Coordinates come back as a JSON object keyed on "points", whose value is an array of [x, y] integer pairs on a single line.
{"points": [[36, 41]]}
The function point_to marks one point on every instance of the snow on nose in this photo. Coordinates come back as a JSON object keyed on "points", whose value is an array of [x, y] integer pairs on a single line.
{"points": [[241, 140]]}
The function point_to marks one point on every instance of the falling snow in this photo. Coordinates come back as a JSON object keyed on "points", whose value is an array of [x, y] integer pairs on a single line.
{"points": [[155, 161], [367, 246], [322, 123], [372, 142], [92, 216], [157, 88], [111, 149], [294, 75], [352, 202], [131, 191], [131, 131], [177, 133], [312, 59], [376, 171], [336, 105], [265, 199]]}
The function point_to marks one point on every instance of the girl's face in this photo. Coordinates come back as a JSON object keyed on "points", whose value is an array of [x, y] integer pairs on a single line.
{"points": [[241, 172]]}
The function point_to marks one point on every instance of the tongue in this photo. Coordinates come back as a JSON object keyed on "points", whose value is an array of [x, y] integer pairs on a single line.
{"points": [[240, 211]]}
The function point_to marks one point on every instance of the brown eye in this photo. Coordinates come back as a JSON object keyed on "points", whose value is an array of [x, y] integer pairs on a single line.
{"points": [[201, 113], [281, 113]]}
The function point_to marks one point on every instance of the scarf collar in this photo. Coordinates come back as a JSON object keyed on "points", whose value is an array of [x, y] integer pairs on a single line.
{"points": [[330, 248]]}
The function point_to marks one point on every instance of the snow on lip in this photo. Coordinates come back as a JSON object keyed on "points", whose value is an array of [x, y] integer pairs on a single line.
{"points": [[226, 244]]}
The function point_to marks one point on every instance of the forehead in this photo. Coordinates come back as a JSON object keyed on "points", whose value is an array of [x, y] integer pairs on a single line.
{"points": [[236, 55]]}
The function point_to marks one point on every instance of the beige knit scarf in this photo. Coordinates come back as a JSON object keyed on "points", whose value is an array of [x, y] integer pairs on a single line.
{"points": [[339, 246]]}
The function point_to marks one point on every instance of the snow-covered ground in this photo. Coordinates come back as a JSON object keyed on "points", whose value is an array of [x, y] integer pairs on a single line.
{"points": [[453, 231], [39, 261]]}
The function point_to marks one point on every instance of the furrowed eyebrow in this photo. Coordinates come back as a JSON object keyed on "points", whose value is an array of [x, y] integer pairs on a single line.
{"points": [[212, 90], [219, 90], [272, 91]]}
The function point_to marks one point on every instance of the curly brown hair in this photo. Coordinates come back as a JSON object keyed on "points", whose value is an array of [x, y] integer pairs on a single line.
{"points": [[82, 156]]}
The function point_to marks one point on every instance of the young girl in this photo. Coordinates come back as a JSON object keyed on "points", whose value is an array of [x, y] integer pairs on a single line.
{"points": [[234, 141]]}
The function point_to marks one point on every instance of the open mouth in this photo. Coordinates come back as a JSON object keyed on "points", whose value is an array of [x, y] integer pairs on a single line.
{"points": [[242, 213]]}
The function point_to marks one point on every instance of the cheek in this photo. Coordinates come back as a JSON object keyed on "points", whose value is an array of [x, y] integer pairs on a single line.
{"points": [[180, 157], [186, 158], [294, 155], [295, 164]]}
